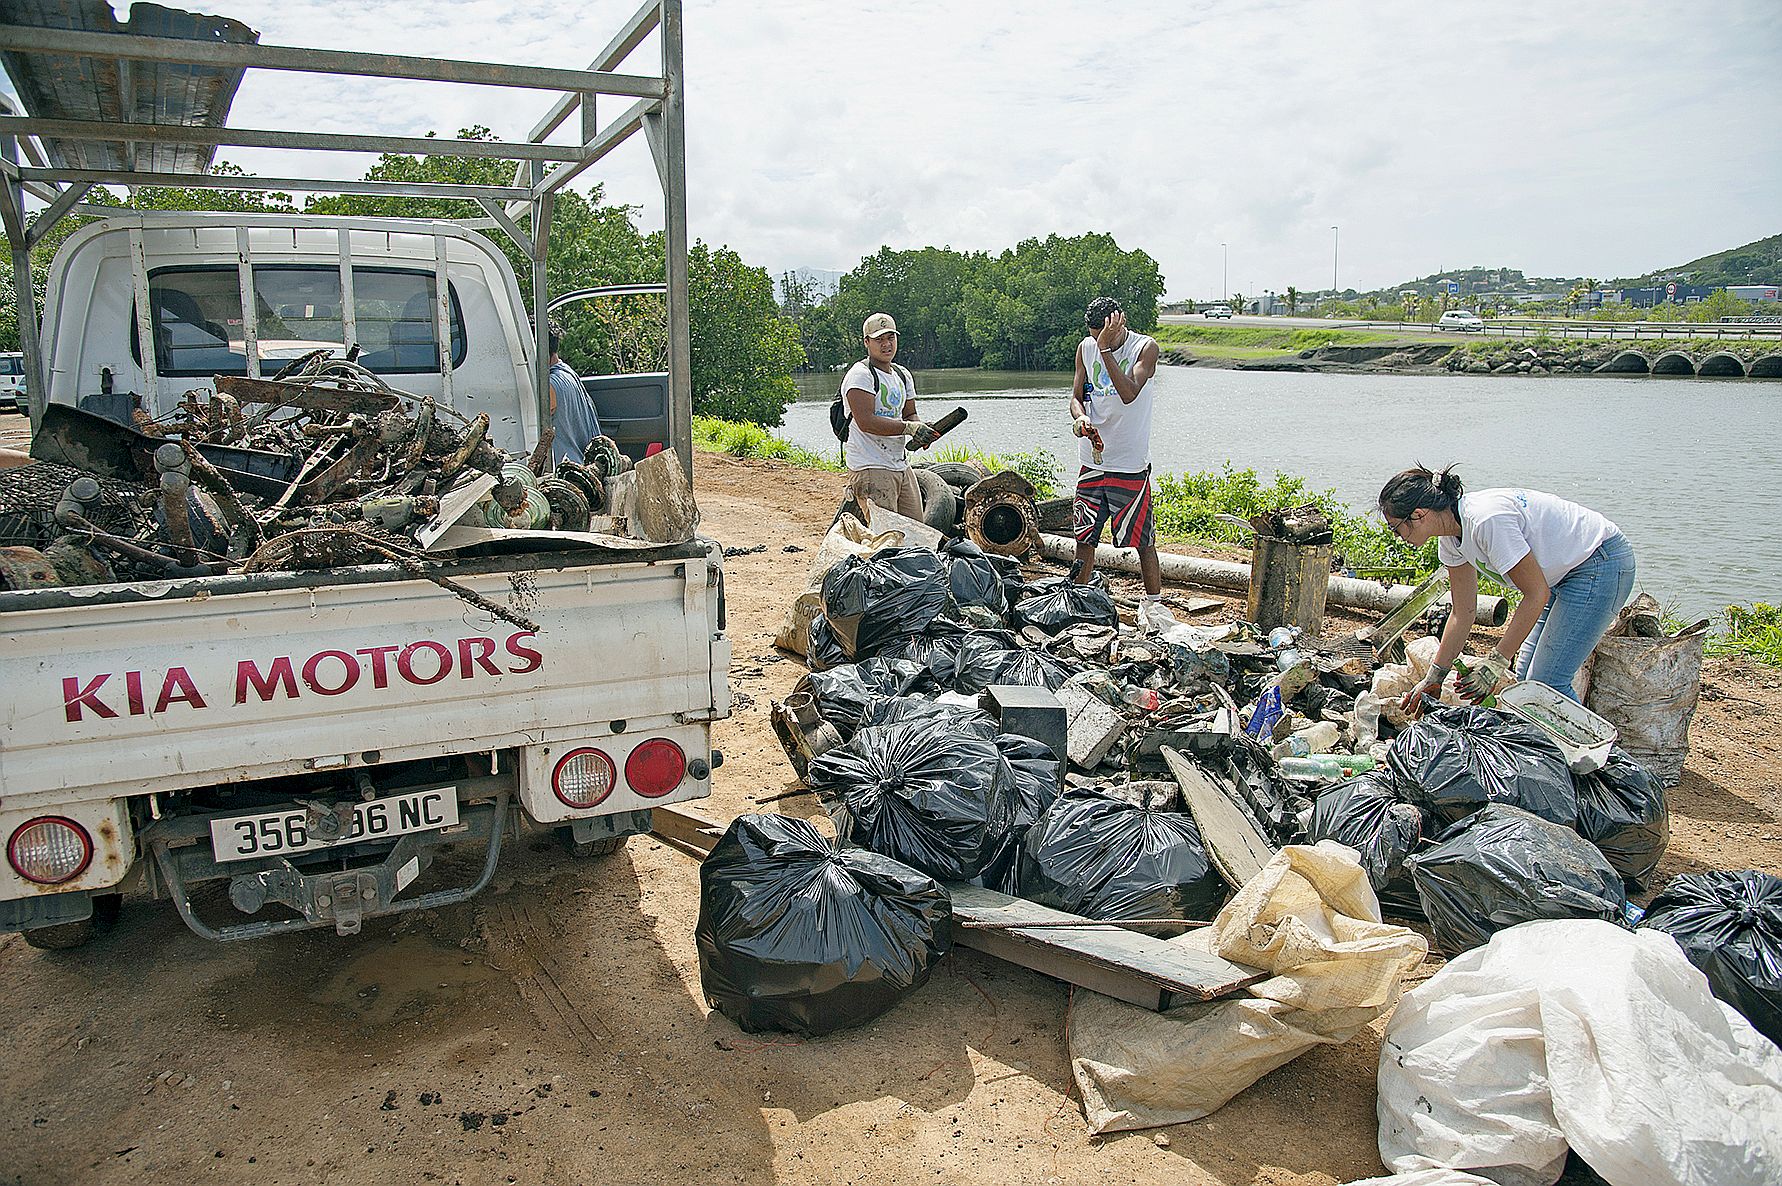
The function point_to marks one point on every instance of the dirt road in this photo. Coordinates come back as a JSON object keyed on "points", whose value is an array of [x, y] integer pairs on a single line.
{"points": [[553, 1030]]}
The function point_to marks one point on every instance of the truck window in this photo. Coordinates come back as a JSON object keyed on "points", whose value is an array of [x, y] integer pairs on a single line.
{"points": [[11, 365], [198, 323]]}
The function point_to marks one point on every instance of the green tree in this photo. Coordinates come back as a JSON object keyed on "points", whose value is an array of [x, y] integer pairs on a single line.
{"points": [[1292, 300], [1024, 308], [924, 290], [744, 352]]}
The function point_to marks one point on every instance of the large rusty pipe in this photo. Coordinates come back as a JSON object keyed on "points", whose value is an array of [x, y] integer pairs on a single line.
{"points": [[1230, 575]]}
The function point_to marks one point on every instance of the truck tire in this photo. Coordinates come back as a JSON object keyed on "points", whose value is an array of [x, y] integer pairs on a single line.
{"points": [[68, 935], [956, 474], [587, 849], [940, 506]]}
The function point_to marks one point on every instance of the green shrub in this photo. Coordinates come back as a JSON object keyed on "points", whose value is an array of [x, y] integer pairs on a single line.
{"points": [[1038, 466], [1752, 630]]}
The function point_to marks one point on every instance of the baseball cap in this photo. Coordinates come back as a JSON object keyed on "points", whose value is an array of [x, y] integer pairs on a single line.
{"points": [[878, 323]]}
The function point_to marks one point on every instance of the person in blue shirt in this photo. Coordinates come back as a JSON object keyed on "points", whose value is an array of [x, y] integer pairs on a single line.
{"points": [[572, 411]]}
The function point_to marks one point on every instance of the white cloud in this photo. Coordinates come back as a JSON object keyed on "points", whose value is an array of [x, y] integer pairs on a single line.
{"points": [[1561, 139]]}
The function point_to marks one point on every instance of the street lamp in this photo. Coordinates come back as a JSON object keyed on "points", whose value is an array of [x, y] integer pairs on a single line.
{"points": [[1224, 273], [1336, 235]]}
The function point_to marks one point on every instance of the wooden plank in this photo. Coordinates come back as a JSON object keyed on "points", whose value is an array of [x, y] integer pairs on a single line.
{"points": [[686, 829], [1141, 969], [1127, 965], [1236, 848]]}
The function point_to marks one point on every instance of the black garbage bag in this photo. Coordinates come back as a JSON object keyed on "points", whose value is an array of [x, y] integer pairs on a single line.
{"points": [[1364, 814], [892, 710], [1102, 857], [1455, 760], [1057, 602], [972, 580], [938, 799], [824, 649], [1730, 926], [843, 692], [1622, 810], [870, 600], [1502, 866], [985, 659], [937, 650], [795, 935], [1037, 774]]}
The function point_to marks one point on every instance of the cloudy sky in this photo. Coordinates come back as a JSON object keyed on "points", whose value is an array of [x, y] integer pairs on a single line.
{"points": [[1563, 139]]}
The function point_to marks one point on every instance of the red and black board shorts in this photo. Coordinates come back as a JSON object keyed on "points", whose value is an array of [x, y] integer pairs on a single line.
{"points": [[1121, 500]]}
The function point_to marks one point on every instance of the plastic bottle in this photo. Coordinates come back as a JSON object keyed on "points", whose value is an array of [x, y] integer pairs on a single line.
{"points": [[1286, 658], [1462, 670], [1282, 636], [1145, 698], [1367, 719], [1326, 765]]}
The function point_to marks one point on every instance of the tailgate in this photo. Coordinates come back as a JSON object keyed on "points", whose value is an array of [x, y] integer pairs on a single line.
{"points": [[138, 695]]}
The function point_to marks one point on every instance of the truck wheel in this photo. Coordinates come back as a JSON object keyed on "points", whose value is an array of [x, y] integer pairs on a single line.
{"points": [[584, 849], [940, 506], [73, 934]]}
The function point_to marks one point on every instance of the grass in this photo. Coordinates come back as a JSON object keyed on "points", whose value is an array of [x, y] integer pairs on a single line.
{"points": [[1754, 631], [741, 439], [1245, 341]]}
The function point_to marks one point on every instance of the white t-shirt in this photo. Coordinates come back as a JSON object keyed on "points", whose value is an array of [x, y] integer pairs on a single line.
{"points": [[1499, 527], [866, 450], [1125, 427]]}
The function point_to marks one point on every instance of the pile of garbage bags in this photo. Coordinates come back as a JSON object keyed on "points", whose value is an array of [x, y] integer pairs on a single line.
{"points": [[1476, 818]]}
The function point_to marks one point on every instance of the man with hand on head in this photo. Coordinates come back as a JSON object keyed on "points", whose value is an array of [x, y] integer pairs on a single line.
{"points": [[1110, 405], [881, 403]]}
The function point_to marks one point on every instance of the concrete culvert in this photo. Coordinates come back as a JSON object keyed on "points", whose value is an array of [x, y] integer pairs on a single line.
{"points": [[1722, 364], [1673, 362], [1628, 362], [1004, 525], [1767, 367]]}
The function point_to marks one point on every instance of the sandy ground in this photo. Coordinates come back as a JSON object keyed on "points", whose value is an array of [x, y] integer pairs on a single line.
{"points": [[553, 1031]]}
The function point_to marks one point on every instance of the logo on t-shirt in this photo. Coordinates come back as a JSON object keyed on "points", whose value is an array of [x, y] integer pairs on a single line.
{"points": [[1099, 380]]}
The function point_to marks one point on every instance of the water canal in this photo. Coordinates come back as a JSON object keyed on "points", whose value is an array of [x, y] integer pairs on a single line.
{"points": [[1691, 469]]}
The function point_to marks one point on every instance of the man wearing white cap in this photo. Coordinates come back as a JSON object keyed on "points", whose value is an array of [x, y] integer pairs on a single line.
{"points": [[881, 402]]}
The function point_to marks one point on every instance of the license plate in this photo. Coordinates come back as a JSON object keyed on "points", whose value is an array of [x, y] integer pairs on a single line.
{"points": [[282, 833]]}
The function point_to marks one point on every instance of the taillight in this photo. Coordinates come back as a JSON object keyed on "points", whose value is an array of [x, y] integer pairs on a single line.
{"points": [[583, 778], [50, 850], [655, 768]]}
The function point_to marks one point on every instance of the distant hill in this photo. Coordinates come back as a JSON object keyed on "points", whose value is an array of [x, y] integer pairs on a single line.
{"points": [[1754, 263]]}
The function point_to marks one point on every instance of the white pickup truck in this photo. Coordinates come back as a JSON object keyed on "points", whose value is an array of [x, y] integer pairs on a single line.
{"points": [[314, 739]]}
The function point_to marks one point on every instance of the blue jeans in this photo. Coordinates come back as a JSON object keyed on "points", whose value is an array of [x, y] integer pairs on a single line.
{"points": [[1579, 611]]}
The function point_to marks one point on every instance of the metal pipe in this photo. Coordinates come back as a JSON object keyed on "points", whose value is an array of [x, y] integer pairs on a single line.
{"points": [[1228, 574]]}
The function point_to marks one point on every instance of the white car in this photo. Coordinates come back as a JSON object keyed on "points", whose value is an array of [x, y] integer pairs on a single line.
{"points": [[1218, 311], [1461, 319], [12, 382]]}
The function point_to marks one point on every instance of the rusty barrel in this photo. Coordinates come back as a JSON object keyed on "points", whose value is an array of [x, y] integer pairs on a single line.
{"points": [[1288, 583]]}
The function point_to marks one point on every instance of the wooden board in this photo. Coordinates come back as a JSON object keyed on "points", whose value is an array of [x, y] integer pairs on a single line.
{"points": [[1137, 968], [1236, 848], [1141, 969]]}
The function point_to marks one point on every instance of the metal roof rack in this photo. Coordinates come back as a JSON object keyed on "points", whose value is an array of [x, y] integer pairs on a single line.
{"points": [[145, 102]]}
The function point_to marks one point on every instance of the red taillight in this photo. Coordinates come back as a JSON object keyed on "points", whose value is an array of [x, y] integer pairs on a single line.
{"points": [[583, 778], [655, 768], [49, 850]]}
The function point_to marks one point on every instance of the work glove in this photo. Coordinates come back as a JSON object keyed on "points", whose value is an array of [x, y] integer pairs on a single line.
{"points": [[921, 433], [1482, 679], [1081, 427], [1412, 703]]}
